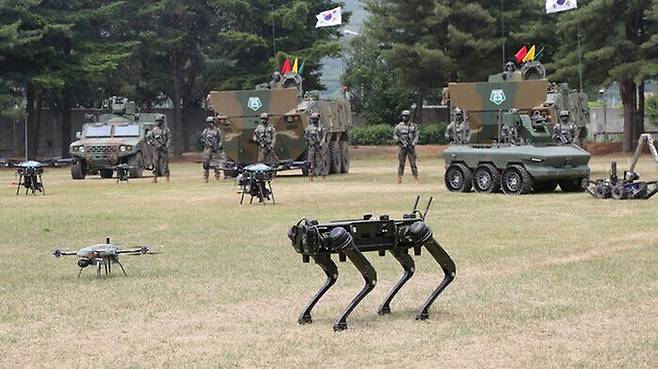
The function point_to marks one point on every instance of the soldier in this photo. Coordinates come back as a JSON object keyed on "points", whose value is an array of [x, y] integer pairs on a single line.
{"points": [[406, 136], [277, 80], [159, 138], [564, 131], [265, 137], [458, 130], [315, 135], [213, 151]]}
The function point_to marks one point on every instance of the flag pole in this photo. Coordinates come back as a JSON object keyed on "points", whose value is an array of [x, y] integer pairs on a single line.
{"points": [[273, 33], [502, 28], [580, 57]]}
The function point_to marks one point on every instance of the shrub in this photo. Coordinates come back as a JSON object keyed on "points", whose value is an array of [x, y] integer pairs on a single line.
{"points": [[382, 134]]}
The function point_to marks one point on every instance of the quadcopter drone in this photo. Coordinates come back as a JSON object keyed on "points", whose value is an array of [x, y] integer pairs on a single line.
{"points": [[29, 173], [103, 254]]}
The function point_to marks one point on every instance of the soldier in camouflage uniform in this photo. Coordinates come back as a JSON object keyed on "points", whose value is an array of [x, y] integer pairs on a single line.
{"points": [[159, 138], [265, 137], [315, 135], [564, 131], [458, 130], [213, 151], [406, 136]]}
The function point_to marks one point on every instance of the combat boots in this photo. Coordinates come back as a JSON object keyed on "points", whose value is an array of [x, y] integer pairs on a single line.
{"points": [[205, 179], [167, 178], [155, 179], [416, 179], [399, 179]]}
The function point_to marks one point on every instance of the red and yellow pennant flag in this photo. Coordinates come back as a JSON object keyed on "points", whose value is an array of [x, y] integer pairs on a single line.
{"points": [[530, 56], [520, 55], [286, 66]]}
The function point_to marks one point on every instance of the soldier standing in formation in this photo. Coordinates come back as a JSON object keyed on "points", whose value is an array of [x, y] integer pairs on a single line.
{"points": [[406, 136], [564, 131], [457, 131], [159, 138], [315, 135], [265, 137], [213, 150]]}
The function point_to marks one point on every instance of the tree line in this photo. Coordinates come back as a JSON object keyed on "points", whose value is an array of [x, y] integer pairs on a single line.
{"points": [[409, 49], [63, 54]]}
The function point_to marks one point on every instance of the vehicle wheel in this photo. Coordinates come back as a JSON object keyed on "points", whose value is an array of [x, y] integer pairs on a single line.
{"points": [[516, 180], [79, 170], [345, 156], [304, 157], [572, 185], [545, 186], [486, 178], [106, 173], [603, 191], [458, 178], [334, 157], [618, 192], [137, 162]]}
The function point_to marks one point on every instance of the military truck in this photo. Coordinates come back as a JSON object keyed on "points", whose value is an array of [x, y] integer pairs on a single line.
{"points": [[289, 109], [507, 149], [117, 137]]}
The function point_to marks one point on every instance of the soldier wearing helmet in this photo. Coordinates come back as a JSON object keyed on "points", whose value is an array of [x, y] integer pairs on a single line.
{"points": [[213, 152], [265, 137], [406, 136], [564, 131], [159, 139], [315, 136], [277, 80], [458, 131]]}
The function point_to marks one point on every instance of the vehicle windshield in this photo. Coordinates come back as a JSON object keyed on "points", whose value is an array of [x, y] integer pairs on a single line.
{"points": [[99, 131], [131, 130]]}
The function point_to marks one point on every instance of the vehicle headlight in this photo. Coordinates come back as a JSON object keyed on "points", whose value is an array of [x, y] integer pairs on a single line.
{"points": [[81, 149], [124, 148]]}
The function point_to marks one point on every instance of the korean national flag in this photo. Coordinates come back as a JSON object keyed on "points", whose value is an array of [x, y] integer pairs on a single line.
{"points": [[554, 6], [333, 17]]}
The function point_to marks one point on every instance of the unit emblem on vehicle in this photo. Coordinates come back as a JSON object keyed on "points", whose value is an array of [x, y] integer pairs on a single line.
{"points": [[254, 103], [497, 97]]}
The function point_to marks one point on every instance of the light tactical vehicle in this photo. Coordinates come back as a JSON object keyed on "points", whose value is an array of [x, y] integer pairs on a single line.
{"points": [[507, 149], [289, 110], [116, 138]]}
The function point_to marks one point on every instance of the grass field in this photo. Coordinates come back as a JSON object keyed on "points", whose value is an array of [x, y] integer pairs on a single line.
{"points": [[543, 281]]}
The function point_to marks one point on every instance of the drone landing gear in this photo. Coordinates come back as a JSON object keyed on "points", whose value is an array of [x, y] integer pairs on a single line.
{"points": [[31, 183], [107, 265]]}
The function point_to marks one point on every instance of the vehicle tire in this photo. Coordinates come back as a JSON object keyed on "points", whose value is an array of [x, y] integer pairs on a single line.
{"points": [[572, 185], [486, 178], [106, 173], [545, 186], [516, 180], [79, 170], [136, 161], [345, 156], [603, 190], [618, 192], [334, 157], [304, 157], [458, 178]]}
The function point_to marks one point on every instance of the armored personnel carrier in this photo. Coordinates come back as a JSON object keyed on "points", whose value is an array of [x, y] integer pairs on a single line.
{"points": [[289, 109], [510, 144], [117, 137]]}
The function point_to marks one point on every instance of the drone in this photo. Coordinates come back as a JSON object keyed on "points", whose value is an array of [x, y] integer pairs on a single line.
{"points": [[123, 171], [256, 181], [102, 255], [29, 173]]}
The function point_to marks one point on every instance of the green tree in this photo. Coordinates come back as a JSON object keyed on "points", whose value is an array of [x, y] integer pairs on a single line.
{"points": [[621, 53]]}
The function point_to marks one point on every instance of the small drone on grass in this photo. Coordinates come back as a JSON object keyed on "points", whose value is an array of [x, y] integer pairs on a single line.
{"points": [[103, 255]]}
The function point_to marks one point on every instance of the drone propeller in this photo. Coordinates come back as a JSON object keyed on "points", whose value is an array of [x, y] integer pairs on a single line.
{"points": [[57, 253], [139, 251]]}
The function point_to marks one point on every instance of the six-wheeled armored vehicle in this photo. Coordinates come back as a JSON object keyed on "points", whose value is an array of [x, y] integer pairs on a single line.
{"points": [[509, 144], [289, 110], [115, 138]]}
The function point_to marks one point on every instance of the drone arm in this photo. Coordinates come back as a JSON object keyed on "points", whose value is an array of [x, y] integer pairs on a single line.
{"points": [[57, 253]]}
